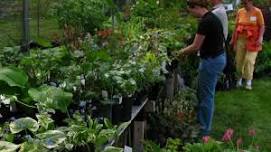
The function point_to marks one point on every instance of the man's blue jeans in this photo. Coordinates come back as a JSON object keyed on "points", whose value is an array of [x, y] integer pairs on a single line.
{"points": [[209, 71]]}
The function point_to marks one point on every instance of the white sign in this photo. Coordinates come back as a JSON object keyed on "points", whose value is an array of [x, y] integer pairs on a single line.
{"points": [[128, 149], [228, 7]]}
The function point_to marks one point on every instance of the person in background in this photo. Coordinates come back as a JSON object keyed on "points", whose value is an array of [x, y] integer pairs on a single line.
{"points": [[209, 41], [220, 11], [247, 40]]}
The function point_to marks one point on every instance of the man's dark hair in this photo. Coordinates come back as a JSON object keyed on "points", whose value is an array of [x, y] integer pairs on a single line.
{"points": [[201, 3]]}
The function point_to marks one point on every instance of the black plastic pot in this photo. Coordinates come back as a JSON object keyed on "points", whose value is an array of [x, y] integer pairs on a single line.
{"points": [[25, 111], [86, 148], [139, 98], [117, 113], [5, 114], [59, 118], [127, 105], [153, 91], [105, 110]]}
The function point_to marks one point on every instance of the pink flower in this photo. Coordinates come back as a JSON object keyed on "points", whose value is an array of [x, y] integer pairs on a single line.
{"points": [[228, 135], [252, 132], [239, 142], [205, 139]]}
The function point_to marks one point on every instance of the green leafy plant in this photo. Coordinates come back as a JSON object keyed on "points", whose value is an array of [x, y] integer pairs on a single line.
{"points": [[211, 146], [44, 120], [148, 9], [183, 105], [14, 77], [32, 146], [10, 56], [14, 85], [119, 79], [83, 15], [44, 65], [226, 145], [150, 146], [172, 145], [8, 147], [84, 133], [78, 133], [51, 97], [175, 117], [51, 138], [24, 124], [263, 65]]}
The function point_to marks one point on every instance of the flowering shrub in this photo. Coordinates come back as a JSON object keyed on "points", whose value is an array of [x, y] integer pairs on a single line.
{"points": [[226, 145]]}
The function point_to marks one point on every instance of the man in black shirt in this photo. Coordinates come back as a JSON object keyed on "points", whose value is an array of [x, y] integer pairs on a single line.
{"points": [[210, 43]]}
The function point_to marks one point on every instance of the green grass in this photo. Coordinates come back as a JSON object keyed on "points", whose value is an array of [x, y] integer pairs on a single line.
{"points": [[10, 30], [241, 110]]}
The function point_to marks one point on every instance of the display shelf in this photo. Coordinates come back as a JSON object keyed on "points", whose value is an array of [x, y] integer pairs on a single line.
{"points": [[135, 111]]}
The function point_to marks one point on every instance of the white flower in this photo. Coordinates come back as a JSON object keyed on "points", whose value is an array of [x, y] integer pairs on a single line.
{"points": [[6, 101], [2, 97], [106, 75], [141, 70], [63, 85], [132, 81], [38, 74], [83, 82]]}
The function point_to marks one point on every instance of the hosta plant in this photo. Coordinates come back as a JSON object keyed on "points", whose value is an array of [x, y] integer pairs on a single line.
{"points": [[50, 97]]}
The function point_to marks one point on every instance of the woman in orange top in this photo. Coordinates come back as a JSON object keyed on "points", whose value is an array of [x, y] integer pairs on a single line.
{"points": [[247, 41]]}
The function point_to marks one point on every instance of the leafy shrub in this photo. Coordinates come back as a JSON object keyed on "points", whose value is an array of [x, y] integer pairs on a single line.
{"points": [[176, 119], [80, 132], [149, 10], [51, 97], [172, 145], [263, 65], [10, 56], [84, 15], [44, 65], [226, 145]]}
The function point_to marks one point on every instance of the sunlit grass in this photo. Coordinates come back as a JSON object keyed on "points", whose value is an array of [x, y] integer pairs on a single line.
{"points": [[242, 110]]}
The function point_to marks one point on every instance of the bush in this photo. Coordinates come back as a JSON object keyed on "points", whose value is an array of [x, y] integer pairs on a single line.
{"points": [[263, 65], [84, 15]]}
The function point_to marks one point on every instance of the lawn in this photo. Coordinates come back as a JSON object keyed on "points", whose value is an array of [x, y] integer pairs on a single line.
{"points": [[242, 110], [10, 30]]}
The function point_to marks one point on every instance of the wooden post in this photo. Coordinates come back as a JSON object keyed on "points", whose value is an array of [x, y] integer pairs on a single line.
{"points": [[38, 18], [150, 106], [26, 31], [138, 136], [170, 86]]}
